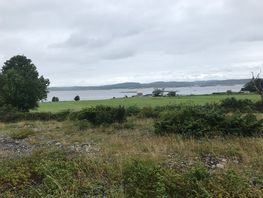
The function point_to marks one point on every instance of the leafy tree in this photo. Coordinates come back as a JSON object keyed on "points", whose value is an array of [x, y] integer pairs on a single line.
{"points": [[255, 85], [157, 92], [77, 98], [20, 84], [171, 93], [249, 86], [55, 99]]}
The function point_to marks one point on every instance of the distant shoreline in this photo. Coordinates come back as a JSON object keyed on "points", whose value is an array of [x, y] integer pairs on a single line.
{"points": [[170, 84]]}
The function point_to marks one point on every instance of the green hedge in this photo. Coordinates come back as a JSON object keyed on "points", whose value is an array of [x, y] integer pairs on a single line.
{"points": [[193, 122]]}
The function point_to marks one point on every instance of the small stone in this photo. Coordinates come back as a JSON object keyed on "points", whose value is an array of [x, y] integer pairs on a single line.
{"points": [[224, 160], [235, 161], [77, 148], [220, 166], [72, 148], [86, 148], [58, 144]]}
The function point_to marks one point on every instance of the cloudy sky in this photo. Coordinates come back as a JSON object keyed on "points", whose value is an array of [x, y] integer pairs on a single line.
{"points": [[95, 42]]}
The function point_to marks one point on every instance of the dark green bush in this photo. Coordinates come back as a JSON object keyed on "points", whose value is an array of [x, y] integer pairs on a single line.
{"points": [[133, 110], [241, 125], [233, 104], [189, 122], [148, 112], [258, 106], [11, 115], [55, 99], [101, 115], [193, 122]]}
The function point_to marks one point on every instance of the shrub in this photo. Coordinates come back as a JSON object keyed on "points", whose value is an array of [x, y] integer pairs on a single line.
{"points": [[259, 106], [14, 116], [148, 112], [7, 112], [157, 92], [233, 104], [192, 122], [241, 125], [171, 93], [189, 122], [55, 99], [101, 115], [133, 110], [77, 98]]}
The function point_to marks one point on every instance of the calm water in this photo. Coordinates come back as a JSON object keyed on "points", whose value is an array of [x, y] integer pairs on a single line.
{"points": [[118, 93]]}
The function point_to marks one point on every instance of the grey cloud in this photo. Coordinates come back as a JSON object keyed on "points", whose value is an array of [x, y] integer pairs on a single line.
{"points": [[108, 41]]}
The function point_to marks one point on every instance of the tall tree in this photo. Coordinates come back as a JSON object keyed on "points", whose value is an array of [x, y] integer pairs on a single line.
{"points": [[20, 84], [255, 85]]}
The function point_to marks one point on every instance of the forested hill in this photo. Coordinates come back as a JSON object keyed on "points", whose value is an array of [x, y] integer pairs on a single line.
{"points": [[161, 84]]}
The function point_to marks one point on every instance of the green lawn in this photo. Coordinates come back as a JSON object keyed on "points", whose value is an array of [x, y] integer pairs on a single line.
{"points": [[140, 101]]}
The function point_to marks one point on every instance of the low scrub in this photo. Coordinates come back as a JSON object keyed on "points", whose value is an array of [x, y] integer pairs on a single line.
{"points": [[147, 179], [193, 122], [233, 104], [58, 174], [101, 115]]}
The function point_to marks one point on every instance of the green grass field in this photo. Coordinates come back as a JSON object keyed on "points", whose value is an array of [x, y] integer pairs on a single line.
{"points": [[141, 102]]}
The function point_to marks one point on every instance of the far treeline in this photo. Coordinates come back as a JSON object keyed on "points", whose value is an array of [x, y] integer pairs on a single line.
{"points": [[135, 85]]}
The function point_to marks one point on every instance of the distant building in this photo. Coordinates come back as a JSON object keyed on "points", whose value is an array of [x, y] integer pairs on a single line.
{"points": [[139, 94]]}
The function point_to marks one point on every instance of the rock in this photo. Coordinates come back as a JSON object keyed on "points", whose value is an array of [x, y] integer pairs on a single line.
{"points": [[72, 148], [220, 166], [15, 147], [224, 160], [236, 161], [86, 148], [58, 144]]}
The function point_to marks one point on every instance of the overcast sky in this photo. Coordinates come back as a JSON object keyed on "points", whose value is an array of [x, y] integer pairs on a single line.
{"points": [[95, 42]]}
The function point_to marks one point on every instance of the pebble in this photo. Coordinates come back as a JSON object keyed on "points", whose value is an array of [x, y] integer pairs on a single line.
{"points": [[220, 166]]}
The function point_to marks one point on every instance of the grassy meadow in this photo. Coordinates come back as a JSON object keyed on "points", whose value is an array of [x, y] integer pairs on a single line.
{"points": [[141, 102]]}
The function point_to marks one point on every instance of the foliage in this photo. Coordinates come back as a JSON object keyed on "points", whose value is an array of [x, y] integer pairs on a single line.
{"points": [[20, 84], [143, 179], [148, 112], [251, 85], [233, 104], [101, 115], [193, 122], [157, 92], [171, 93], [55, 99], [77, 98], [133, 110]]}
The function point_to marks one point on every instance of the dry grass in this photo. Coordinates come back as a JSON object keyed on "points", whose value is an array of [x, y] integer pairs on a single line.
{"points": [[116, 144], [140, 141]]}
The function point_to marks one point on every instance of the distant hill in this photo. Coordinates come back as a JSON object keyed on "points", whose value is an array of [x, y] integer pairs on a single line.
{"points": [[161, 84]]}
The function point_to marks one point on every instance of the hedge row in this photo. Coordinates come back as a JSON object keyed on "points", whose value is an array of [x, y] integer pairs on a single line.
{"points": [[97, 115], [193, 122]]}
